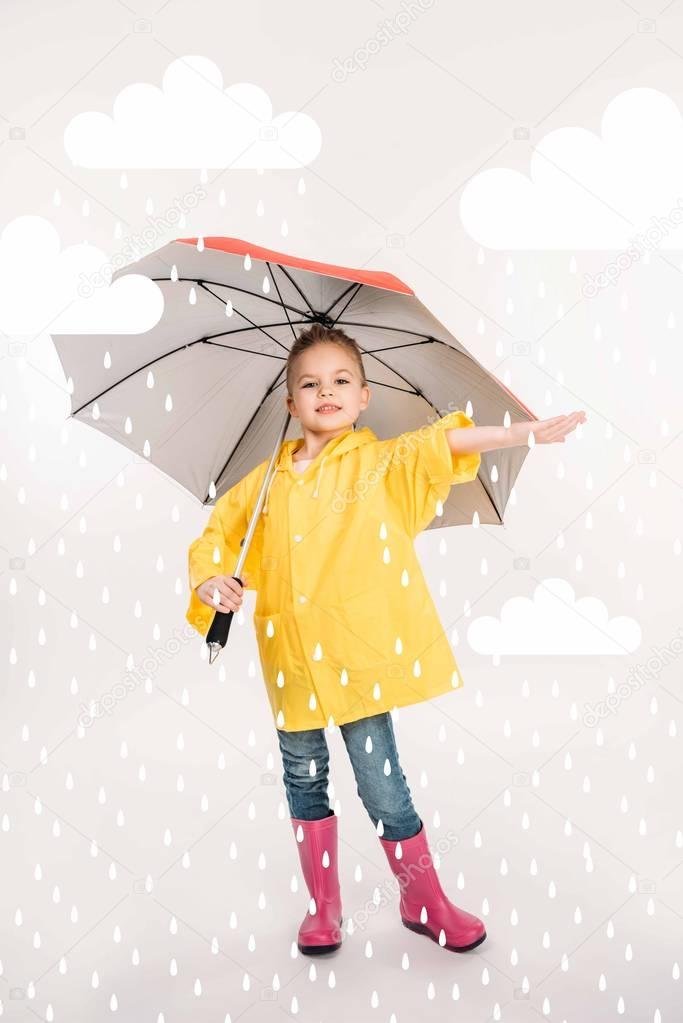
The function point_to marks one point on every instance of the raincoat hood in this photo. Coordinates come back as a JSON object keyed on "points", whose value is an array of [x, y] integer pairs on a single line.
{"points": [[334, 448]]}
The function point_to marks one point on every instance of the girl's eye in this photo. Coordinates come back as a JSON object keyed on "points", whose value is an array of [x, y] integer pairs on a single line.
{"points": [[342, 380]]}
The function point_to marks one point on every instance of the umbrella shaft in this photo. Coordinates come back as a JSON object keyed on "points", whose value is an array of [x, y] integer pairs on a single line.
{"points": [[257, 510]]}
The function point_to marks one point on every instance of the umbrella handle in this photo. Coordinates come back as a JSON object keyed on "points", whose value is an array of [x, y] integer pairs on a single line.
{"points": [[217, 636], [218, 633]]}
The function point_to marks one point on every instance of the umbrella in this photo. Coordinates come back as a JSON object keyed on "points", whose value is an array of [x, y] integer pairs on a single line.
{"points": [[201, 394]]}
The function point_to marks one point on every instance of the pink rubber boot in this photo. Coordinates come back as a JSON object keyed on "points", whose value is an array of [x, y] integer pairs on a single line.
{"points": [[320, 930], [423, 906]]}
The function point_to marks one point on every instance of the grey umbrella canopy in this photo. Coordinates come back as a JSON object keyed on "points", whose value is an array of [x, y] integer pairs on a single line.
{"points": [[202, 394]]}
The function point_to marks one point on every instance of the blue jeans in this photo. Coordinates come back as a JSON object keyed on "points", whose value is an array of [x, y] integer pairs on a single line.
{"points": [[384, 796]]}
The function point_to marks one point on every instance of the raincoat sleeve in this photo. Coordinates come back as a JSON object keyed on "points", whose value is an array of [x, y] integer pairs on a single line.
{"points": [[422, 469], [216, 551]]}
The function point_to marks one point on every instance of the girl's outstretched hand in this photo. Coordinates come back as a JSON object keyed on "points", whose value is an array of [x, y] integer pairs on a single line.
{"points": [[553, 431]]}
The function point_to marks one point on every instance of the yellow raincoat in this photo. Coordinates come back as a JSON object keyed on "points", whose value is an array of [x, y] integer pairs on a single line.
{"points": [[345, 624]]}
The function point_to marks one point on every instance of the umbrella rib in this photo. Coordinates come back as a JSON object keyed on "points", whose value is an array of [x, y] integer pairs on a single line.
{"points": [[295, 285], [242, 330], [355, 285], [411, 344], [416, 390], [166, 355], [233, 287], [434, 340], [236, 348], [399, 330], [208, 340], [139, 369], [279, 295], [244, 317], [492, 502], [251, 419]]}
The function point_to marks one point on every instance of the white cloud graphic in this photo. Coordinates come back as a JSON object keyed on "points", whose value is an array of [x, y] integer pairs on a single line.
{"points": [[553, 622], [588, 191], [40, 281], [192, 122]]}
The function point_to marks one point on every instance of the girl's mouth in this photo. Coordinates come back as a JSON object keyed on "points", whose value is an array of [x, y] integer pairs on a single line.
{"points": [[325, 409]]}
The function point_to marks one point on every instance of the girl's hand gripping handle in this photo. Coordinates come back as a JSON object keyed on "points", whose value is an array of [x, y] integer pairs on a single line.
{"points": [[224, 593]]}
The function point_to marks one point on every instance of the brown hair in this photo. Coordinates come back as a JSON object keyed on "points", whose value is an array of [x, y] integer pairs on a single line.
{"points": [[317, 334]]}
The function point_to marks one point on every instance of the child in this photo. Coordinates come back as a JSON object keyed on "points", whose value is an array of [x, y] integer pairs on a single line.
{"points": [[346, 628]]}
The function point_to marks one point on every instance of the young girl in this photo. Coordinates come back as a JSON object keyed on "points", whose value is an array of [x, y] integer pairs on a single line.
{"points": [[346, 627]]}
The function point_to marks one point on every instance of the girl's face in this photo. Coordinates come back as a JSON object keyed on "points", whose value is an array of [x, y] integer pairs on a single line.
{"points": [[327, 375]]}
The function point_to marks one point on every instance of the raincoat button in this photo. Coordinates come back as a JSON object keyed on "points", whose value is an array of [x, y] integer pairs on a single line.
{"points": [[302, 599], [300, 483], [297, 538]]}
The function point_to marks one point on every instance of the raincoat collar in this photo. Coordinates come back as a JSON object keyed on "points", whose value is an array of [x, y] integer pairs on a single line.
{"points": [[346, 441]]}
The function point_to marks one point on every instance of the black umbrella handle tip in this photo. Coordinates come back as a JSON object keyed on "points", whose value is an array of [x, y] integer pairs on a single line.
{"points": [[219, 630]]}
